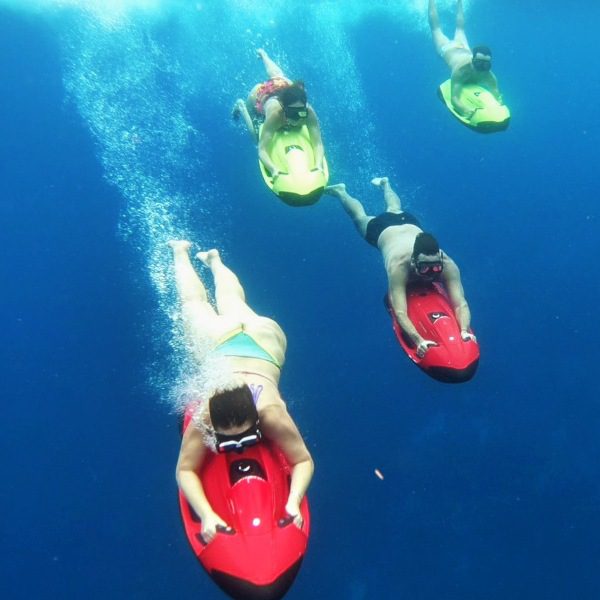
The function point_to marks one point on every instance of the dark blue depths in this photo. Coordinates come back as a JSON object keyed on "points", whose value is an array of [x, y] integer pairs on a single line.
{"points": [[490, 488]]}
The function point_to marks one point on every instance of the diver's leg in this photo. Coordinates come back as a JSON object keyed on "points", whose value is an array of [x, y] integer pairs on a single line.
{"points": [[251, 100], [272, 68], [189, 285], [231, 304], [229, 293], [392, 200], [351, 205], [200, 321], [240, 109], [439, 38], [459, 35]]}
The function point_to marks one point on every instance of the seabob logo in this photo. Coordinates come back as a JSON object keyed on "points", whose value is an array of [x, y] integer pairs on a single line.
{"points": [[436, 316]]}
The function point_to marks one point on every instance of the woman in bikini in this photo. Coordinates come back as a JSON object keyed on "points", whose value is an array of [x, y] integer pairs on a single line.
{"points": [[250, 406], [280, 103]]}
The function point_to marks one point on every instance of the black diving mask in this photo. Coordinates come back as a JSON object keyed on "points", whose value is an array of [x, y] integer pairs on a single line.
{"points": [[296, 113], [238, 442], [483, 63], [427, 268], [430, 270]]}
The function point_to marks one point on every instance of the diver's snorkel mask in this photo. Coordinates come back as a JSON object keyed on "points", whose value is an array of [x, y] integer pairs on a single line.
{"points": [[429, 270], [239, 441], [481, 62], [295, 113]]}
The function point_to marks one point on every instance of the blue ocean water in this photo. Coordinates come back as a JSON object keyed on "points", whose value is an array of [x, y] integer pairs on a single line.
{"points": [[116, 136]]}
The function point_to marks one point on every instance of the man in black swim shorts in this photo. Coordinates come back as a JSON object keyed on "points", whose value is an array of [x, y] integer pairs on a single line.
{"points": [[409, 255]]}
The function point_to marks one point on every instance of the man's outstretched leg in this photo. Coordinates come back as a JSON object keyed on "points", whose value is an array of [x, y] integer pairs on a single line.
{"points": [[351, 205], [460, 36], [440, 40], [392, 200]]}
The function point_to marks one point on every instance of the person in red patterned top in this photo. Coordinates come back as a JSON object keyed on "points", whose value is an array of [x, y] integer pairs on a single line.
{"points": [[279, 103]]}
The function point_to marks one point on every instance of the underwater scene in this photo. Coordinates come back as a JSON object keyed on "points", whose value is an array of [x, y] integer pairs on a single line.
{"points": [[464, 467]]}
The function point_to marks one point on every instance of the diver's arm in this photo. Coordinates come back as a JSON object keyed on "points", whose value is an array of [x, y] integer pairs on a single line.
{"points": [[302, 473], [397, 279], [191, 456], [279, 426], [491, 83], [315, 135], [456, 86], [271, 124], [456, 292]]}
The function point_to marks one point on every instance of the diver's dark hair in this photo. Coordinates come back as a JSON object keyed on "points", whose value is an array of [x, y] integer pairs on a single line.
{"points": [[232, 408], [426, 244], [293, 93], [482, 50]]}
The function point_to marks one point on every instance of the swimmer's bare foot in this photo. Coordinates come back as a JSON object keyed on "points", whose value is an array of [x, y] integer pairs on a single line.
{"points": [[180, 246], [261, 53], [208, 257], [336, 190], [380, 181]]}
